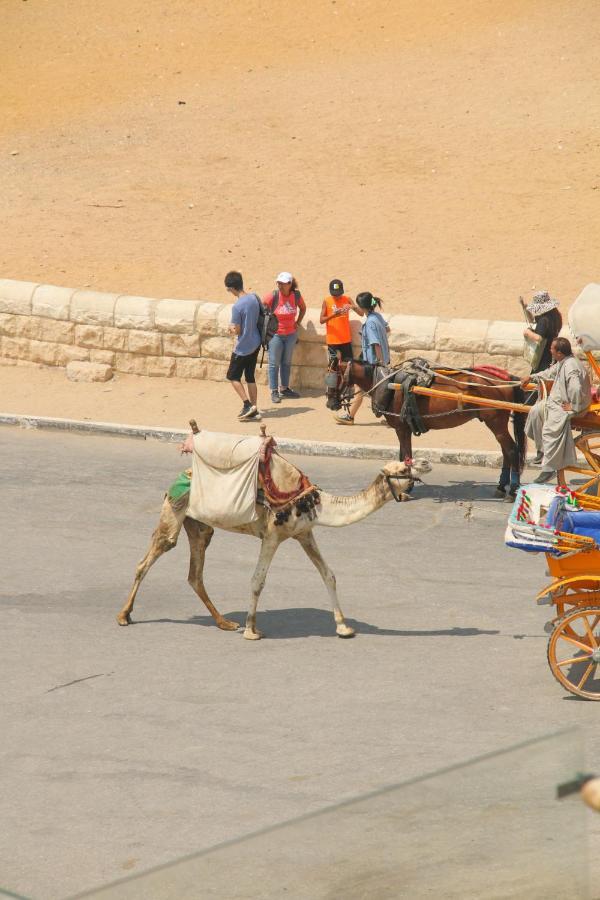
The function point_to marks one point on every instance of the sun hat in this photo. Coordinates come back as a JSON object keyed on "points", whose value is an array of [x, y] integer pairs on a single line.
{"points": [[541, 303], [284, 278], [336, 288]]}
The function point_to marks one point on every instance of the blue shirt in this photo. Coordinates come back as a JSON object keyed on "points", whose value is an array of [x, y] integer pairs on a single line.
{"points": [[244, 313], [374, 332]]}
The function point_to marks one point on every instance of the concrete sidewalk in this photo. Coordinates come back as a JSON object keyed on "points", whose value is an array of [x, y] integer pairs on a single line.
{"points": [[170, 403]]}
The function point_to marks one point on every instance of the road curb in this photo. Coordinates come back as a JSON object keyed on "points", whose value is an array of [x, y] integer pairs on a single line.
{"points": [[487, 458]]}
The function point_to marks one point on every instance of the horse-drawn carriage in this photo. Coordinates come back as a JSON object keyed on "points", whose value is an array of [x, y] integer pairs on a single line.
{"points": [[416, 397]]}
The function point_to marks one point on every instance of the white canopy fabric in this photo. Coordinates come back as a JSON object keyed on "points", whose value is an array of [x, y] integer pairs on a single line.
{"points": [[584, 318]]}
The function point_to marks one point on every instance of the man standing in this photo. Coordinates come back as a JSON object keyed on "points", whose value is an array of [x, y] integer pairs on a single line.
{"points": [[335, 315], [244, 323], [549, 421]]}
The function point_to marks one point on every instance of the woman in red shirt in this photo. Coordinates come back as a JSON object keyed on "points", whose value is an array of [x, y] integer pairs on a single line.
{"points": [[288, 305]]}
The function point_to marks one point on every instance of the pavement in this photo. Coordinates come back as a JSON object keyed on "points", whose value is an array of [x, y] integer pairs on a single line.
{"points": [[126, 748]]}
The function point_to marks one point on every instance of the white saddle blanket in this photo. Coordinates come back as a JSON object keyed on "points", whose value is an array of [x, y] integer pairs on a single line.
{"points": [[224, 479]]}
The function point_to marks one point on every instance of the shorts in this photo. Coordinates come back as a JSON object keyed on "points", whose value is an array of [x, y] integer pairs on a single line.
{"points": [[243, 365], [345, 351]]}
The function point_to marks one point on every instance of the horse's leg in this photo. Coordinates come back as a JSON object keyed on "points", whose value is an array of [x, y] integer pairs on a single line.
{"points": [[164, 538], [498, 425], [269, 545], [309, 545], [200, 536], [402, 430]]}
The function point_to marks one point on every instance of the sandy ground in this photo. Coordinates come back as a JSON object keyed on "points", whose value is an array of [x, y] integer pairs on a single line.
{"points": [[134, 400], [445, 156]]}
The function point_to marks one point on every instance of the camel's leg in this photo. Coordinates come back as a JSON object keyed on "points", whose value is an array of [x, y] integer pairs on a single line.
{"points": [[163, 539], [200, 536], [309, 545], [268, 547]]}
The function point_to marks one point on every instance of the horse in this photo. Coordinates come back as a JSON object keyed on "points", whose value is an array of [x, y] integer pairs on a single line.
{"points": [[444, 412]]}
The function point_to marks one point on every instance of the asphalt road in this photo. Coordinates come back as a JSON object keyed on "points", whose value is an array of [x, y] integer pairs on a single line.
{"points": [[124, 748]]}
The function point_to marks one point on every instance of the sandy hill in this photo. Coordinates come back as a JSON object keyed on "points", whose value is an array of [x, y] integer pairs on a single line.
{"points": [[444, 155]]}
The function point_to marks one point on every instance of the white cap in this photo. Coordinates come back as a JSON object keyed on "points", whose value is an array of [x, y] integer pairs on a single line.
{"points": [[284, 278]]}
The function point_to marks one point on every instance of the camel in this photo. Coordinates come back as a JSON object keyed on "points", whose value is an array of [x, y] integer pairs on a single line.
{"points": [[395, 479]]}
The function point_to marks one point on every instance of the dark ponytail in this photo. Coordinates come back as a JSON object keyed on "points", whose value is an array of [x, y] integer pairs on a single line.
{"points": [[367, 301]]}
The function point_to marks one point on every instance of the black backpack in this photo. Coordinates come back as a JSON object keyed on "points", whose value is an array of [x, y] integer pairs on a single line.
{"points": [[267, 324]]}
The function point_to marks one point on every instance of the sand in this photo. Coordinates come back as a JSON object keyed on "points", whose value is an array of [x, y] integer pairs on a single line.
{"points": [[443, 155]]}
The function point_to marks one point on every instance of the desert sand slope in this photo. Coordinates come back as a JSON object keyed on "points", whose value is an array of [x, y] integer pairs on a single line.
{"points": [[444, 155]]}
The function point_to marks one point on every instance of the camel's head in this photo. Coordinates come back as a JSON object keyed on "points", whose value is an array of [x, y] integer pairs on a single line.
{"points": [[400, 477]]}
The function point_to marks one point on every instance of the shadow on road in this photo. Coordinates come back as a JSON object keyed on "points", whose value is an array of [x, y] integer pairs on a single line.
{"points": [[296, 623]]}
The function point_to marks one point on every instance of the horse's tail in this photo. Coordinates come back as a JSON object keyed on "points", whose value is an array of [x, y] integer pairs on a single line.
{"points": [[519, 419]]}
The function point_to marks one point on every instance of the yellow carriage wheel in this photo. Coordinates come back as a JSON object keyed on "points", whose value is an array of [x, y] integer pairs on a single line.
{"points": [[589, 445], [574, 652]]}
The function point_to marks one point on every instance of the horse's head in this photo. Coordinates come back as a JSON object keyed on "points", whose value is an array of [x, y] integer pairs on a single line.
{"points": [[333, 383]]}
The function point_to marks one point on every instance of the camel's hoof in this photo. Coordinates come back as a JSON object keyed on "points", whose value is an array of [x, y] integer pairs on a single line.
{"points": [[228, 625], [124, 620], [252, 635], [344, 631]]}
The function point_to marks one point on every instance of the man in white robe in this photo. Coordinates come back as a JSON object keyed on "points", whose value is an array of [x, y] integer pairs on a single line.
{"points": [[549, 421]]}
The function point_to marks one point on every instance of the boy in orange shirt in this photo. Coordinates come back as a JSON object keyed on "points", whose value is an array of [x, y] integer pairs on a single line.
{"points": [[335, 315]]}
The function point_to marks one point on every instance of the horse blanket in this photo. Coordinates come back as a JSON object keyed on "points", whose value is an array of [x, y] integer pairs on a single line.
{"points": [[224, 479]]}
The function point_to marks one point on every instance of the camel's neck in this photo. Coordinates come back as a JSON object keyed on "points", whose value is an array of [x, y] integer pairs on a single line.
{"points": [[337, 511]]}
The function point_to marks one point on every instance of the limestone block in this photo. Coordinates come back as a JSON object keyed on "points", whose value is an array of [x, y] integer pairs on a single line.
{"points": [[461, 335], [262, 376], [28, 327], [68, 352], [412, 333], [8, 324], [103, 356], [88, 371], [52, 302], [518, 367], [135, 312], [486, 359], [397, 357], [505, 338], [58, 330], [4, 361], [191, 368], [134, 364], [307, 353], [181, 344], [430, 356], [456, 360], [129, 363], [216, 370], [93, 308], [311, 329], [146, 342], [224, 320], [176, 316], [312, 377], [15, 296], [14, 348], [160, 366], [89, 336], [218, 347], [115, 339], [206, 318], [44, 352]]}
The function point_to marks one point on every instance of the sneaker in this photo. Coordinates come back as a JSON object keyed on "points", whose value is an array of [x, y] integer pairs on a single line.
{"points": [[253, 416], [245, 409], [275, 398], [538, 458], [344, 419], [545, 476], [289, 394], [248, 412]]}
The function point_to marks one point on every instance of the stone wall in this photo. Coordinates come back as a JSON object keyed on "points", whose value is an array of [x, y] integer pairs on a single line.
{"points": [[52, 326]]}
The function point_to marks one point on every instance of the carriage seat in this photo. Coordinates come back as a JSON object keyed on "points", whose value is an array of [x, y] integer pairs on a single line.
{"points": [[574, 521]]}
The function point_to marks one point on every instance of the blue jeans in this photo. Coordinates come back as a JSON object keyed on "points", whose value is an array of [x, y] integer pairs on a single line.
{"points": [[281, 350]]}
